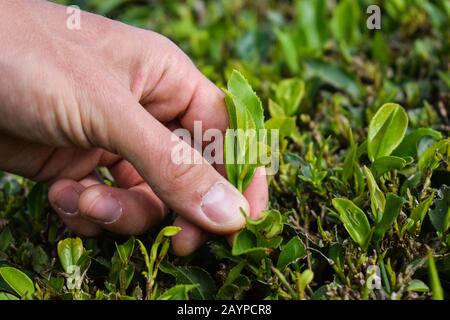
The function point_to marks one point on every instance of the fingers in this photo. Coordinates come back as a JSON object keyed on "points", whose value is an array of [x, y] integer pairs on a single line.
{"points": [[64, 196], [131, 211], [87, 207], [192, 237], [257, 193], [183, 93], [176, 172], [189, 239]]}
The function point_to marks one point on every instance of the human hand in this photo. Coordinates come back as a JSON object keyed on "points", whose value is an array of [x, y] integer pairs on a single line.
{"points": [[110, 95]]}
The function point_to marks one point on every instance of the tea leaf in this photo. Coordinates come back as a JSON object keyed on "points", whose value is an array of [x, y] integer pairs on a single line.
{"points": [[385, 164], [380, 49], [36, 200], [419, 212], [335, 76], [6, 296], [337, 254], [408, 147], [305, 279], [354, 220], [386, 130], [178, 292], [243, 94], [204, 285], [391, 212], [289, 50], [126, 250], [247, 123], [313, 31], [18, 281], [6, 239], [291, 252], [345, 21], [432, 156], [433, 275], [268, 226], [289, 94], [245, 242], [377, 199], [445, 77], [70, 251], [235, 284], [168, 231], [275, 110], [235, 290], [440, 215], [417, 285], [285, 125]]}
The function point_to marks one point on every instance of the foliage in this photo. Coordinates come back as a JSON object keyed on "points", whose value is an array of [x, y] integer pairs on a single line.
{"points": [[364, 177]]}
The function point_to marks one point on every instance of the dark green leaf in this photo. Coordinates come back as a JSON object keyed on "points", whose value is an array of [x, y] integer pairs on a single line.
{"points": [[377, 199], [433, 275], [235, 284], [440, 215], [6, 239], [388, 163], [178, 292], [418, 214], [245, 242], [311, 15], [205, 287], [291, 252], [289, 94], [337, 254], [433, 155], [409, 145], [354, 220], [346, 21], [37, 200], [286, 126], [126, 250], [289, 50], [391, 212], [335, 76], [268, 226]]}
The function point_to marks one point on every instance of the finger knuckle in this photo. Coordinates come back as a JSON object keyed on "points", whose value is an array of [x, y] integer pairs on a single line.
{"points": [[184, 172]]}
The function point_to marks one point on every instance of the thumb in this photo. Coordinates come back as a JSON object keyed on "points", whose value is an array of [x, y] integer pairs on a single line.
{"points": [[193, 189]]}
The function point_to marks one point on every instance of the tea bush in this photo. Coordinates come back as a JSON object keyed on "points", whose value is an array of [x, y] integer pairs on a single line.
{"points": [[360, 208]]}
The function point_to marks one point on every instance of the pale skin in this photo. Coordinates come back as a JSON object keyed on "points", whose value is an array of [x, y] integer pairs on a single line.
{"points": [[110, 95]]}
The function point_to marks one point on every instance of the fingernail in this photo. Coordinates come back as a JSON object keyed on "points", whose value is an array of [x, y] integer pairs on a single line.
{"points": [[67, 201], [223, 203], [105, 209]]}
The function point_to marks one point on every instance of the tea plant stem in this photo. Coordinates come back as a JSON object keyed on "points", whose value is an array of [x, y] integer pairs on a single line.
{"points": [[436, 287], [285, 282], [340, 274], [254, 270], [365, 292], [385, 278], [239, 185]]}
